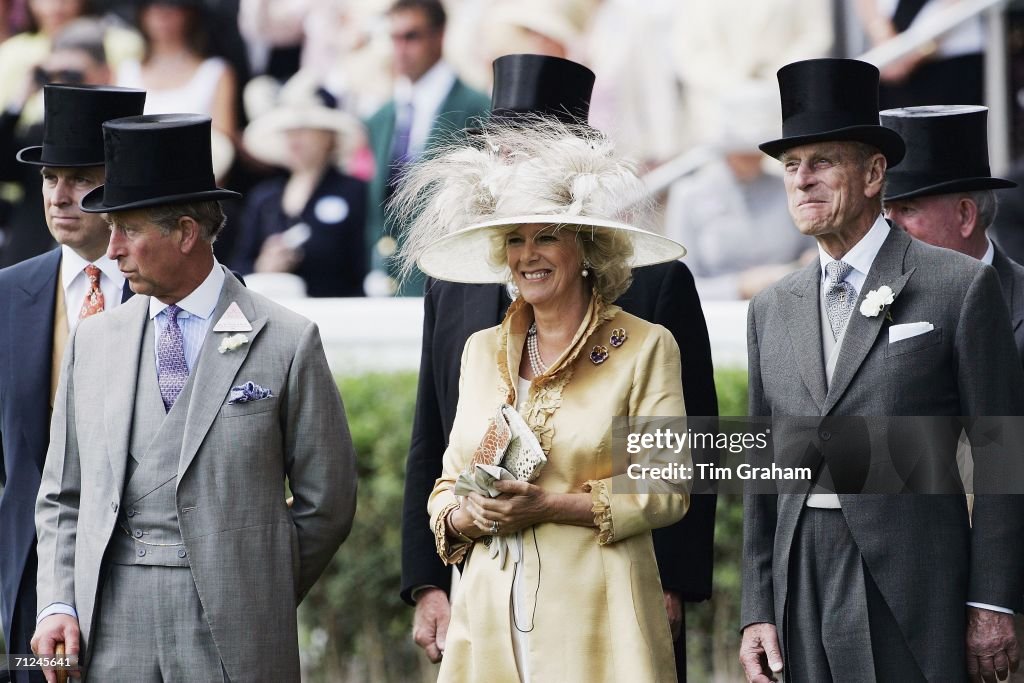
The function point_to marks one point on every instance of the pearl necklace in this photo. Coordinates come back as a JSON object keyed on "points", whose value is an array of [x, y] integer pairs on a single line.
{"points": [[533, 353]]}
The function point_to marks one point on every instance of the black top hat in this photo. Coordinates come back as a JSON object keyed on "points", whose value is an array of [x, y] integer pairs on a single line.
{"points": [[947, 151], [73, 116], [541, 85], [155, 160], [825, 100]]}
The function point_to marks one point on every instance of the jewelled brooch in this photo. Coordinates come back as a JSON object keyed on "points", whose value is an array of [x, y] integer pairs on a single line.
{"points": [[618, 337], [599, 355]]}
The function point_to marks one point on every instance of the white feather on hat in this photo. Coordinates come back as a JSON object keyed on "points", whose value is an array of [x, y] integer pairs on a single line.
{"points": [[534, 171]]}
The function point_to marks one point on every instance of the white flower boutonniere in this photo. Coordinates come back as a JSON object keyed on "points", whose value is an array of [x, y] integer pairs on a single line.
{"points": [[876, 300], [232, 342]]}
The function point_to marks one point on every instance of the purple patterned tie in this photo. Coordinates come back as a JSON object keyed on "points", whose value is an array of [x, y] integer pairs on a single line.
{"points": [[171, 369]]}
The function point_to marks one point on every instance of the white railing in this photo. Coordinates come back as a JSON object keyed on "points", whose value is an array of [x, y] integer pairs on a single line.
{"points": [[913, 38], [383, 335]]}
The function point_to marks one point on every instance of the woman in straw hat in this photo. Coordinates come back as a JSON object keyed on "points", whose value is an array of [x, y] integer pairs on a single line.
{"points": [[559, 579], [310, 223]]}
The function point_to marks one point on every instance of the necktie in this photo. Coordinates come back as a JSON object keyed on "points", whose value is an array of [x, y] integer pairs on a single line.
{"points": [[93, 302], [171, 369], [840, 296], [403, 130], [399, 145]]}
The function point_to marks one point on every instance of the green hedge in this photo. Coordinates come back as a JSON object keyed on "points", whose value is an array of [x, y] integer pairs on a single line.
{"points": [[353, 624]]}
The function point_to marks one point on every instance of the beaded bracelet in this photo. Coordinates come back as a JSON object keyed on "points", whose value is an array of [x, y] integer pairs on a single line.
{"points": [[450, 524]]}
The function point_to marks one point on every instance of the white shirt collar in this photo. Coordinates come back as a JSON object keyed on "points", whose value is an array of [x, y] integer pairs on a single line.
{"points": [[429, 91], [990, 253], [201, 301], [863, 254], [72, 265]]}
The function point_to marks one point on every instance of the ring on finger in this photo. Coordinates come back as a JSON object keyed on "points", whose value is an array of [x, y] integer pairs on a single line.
{"points": [[494, 527]]}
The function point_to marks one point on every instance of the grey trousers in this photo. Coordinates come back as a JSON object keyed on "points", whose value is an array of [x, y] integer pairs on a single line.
{"points": [[837, 626], [150, 628]]}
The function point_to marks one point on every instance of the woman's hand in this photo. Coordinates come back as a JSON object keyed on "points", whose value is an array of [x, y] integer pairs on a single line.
{"points": [[276, 256], [519, 506]]}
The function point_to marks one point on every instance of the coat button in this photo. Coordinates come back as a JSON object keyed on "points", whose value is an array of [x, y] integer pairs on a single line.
{"points": [[142, 552], [181, 552], [138, 533], [826, 435], [131, 512]]}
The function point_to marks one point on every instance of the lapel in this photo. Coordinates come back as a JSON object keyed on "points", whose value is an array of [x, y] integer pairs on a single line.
{"points": [[1009, 285], [385, 123], [802, 312], [215, 372], [124, 333], [29, 332], [862, 331]]}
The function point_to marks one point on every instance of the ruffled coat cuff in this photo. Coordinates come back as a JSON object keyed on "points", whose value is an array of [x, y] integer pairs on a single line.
{"points": [[601, 506], [449, 552]]}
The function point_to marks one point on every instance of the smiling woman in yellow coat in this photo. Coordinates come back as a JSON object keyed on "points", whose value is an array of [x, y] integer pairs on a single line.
{"points": [[579, 598]]}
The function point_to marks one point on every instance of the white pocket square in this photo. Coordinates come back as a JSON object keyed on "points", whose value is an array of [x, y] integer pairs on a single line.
{"points": [[908, 330]]}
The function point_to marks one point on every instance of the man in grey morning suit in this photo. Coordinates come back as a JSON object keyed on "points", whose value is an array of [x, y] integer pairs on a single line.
{"points": [[873, 587], [943, 191], [163, 530]]}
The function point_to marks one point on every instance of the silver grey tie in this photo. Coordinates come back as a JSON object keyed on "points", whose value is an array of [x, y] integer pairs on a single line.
{"points": [[840, 296]]}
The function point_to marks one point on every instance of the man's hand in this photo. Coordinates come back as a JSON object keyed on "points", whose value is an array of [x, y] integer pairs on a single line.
{"points": [[56, 628], [674, 607], [992, 648], [430, 623], [760, 654]]}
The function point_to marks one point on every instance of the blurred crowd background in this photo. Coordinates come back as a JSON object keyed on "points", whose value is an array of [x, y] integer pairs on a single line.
{"points": [[317, 104]]}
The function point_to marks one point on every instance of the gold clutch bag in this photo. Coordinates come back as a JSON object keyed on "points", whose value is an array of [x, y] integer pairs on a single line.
{"points": [[510, 443]]}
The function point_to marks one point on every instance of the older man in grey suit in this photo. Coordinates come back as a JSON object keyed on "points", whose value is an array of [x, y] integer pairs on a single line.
{"points": [[873, 587], [944, 193], [166, 549]]}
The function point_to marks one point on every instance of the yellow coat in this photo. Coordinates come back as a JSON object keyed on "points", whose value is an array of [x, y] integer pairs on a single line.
{"points": [[600, 613]]}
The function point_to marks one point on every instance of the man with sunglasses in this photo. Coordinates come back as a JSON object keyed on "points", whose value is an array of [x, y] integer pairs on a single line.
{"points": [[430, 104], [77, 58]]}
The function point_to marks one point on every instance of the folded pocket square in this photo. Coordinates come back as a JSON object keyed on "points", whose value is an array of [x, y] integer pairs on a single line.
{"points": [[908, 330], [250, 391]]}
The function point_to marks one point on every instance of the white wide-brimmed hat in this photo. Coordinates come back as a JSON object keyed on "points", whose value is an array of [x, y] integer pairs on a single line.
{"points": [[545, 172], [298, 104]]}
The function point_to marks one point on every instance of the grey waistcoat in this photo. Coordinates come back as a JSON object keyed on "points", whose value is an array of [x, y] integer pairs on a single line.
{"points": [[147, 532]]}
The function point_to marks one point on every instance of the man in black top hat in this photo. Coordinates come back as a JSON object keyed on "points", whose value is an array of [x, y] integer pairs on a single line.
{"points": [[943, 191], [838, 584], [41, 300], [77, 57], [524, 86], [163, 528]]}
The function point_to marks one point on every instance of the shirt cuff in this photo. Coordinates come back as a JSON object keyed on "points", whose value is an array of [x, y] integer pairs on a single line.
{"points": [[57, 608], [418, 591], [983, 605]]}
